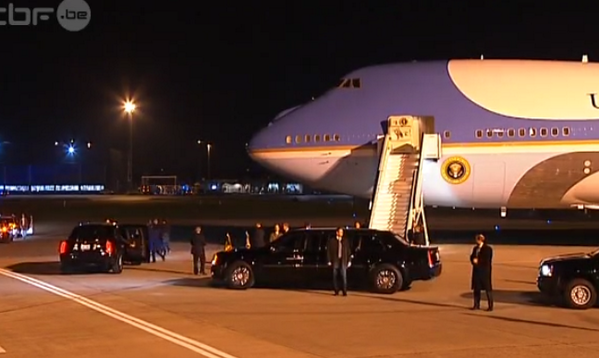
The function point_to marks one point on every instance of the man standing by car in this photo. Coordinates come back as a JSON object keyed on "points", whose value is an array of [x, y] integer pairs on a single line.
{"points": [[482, 263], [198, 251], [339, 254], [257, 239]]}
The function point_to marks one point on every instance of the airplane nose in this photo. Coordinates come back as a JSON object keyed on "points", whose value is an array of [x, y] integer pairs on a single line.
{"points": [[257, 144], [258, 141]]}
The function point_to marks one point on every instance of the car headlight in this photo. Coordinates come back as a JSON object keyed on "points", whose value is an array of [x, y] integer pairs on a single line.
{"points": [[546, 270]]}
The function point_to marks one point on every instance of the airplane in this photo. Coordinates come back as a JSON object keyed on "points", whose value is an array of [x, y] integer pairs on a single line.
{"points": [[514, 133]]}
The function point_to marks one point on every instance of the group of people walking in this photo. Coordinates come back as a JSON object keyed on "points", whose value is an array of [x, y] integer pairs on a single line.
{"points": [[159, 232]]}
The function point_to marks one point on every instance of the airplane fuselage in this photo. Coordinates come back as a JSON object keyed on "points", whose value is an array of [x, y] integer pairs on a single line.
{"points": [[525, 133]]}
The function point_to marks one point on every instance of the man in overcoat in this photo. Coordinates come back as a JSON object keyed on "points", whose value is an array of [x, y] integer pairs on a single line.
{"points": [[482, 264]]}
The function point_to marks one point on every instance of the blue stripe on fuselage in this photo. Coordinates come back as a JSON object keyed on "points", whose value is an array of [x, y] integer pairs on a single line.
{"points": [[358, 115]]}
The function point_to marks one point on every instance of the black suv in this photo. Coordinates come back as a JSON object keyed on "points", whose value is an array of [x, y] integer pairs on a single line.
{"points": [[93, 245], [573, 279], [380, 259]]}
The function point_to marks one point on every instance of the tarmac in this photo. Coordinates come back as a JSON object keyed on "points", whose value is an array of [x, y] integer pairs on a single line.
{"points": [[162, 310]]}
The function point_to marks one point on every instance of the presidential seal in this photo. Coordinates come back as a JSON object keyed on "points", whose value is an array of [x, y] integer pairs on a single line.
{"points": [[455, 170]]}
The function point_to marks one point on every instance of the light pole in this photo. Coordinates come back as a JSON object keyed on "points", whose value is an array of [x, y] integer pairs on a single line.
{"points": [[208, 147], [208, 150], [129, 108]]}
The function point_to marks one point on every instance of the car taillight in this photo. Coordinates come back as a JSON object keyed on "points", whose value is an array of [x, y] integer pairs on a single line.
{"points": [[109, 247], [63, 247], [430, 258], [4, 229]]}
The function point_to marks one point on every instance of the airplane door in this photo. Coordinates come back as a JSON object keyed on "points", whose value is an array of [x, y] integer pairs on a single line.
{"points": [[488, 183]]}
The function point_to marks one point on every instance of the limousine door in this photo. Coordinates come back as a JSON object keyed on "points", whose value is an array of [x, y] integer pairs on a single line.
{"points": [[282, 265], [366, 251], [315, 268]]}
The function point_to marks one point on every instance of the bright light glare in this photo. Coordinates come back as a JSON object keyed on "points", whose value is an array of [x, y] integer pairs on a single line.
{"points": [[546, 270], [129, 107], [71, 150]]}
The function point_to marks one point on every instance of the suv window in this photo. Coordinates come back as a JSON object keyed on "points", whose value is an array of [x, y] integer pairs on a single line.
{"points": [[93, 232], [131, 233]]}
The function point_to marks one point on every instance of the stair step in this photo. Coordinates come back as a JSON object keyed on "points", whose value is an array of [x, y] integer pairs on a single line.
{"points": [[393, 192]]}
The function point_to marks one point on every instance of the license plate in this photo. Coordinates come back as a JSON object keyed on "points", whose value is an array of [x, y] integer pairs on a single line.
{"points": [[85, 247]]}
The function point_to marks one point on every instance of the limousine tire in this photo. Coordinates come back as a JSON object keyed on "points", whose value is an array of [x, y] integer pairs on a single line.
{"points": [[239, 276], [580, 294], [386, 279]]}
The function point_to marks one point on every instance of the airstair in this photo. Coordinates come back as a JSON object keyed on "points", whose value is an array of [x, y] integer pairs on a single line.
{"points": [[398, 204]]}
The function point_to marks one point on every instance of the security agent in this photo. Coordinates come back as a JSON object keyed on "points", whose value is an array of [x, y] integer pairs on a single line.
{"points": [[198, 251], [339, 255], [482, 264]]}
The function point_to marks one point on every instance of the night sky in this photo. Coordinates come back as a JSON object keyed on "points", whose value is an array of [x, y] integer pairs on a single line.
{"points": [[219, 73]]}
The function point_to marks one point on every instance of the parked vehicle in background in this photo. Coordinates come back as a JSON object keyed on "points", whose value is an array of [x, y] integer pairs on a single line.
{"points": [[571, 279]]}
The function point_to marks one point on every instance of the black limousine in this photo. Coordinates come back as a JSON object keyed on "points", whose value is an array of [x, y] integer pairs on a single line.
{"points": [[571, 279], [380, 259]]}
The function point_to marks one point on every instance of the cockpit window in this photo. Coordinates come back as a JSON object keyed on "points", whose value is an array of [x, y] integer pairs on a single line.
{"points": [[349, 83]]}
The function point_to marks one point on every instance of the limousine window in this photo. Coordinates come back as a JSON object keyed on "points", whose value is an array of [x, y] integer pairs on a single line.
{"points": [[314, 241], [401, 239], [368, 243], [289, 242]]}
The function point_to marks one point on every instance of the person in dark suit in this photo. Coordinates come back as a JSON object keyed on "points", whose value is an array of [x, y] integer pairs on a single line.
{"points": [[257, 239], [198, 251], [339, 255], [156, 246], [482, 264], [417, 236]]}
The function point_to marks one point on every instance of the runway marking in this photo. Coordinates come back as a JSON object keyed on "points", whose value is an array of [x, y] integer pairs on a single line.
{"points": [[182, 341]]}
